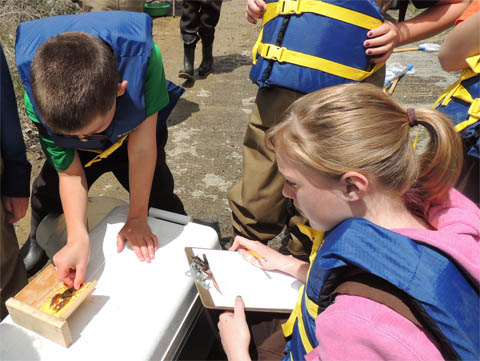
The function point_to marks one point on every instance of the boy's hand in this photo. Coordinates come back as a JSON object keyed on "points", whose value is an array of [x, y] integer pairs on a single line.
{"points": [[71, 262], [255, 10], [143, 241], [234, 332], [381, 42]]}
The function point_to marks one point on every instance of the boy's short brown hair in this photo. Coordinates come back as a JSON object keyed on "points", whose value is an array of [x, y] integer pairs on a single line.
{"points": [[74, 77]]}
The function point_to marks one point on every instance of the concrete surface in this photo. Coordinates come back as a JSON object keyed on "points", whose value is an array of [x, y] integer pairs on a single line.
{"points": [[208, 124]]}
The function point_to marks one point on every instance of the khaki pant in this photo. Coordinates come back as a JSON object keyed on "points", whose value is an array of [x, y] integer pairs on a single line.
{"points": [[102, 5], [13, 276], [259, 210]]}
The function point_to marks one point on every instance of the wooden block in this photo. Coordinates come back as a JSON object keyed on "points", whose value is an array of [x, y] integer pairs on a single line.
{"points": [[51, 327], [25, 310]]}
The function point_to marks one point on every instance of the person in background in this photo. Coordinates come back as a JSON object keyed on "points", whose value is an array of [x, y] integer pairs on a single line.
{"points": [[394, 271], [295, 55], [198, 22], [461, 101], [95, 88], [15, 189]]}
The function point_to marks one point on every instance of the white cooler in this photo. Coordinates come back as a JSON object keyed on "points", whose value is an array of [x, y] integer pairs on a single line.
{"points": [[138, 311]]}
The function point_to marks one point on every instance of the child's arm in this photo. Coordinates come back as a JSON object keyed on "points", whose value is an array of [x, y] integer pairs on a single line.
{"points": [[270, 260], [142, 157], [462, 42], [388, 36], [71, 261]]}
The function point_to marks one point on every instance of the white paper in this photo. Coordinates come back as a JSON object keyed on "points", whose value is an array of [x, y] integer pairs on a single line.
{"points": [[237, 277]]}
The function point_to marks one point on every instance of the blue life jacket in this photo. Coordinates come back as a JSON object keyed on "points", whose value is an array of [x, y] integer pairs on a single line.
{"points": [[307, 45], [461, 103], [440, 292], [130, 36]]}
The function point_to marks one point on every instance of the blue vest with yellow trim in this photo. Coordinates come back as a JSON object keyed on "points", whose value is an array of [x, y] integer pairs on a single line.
{"points": [[128, 34], [440, 291], [461, 103], [307, 45]]}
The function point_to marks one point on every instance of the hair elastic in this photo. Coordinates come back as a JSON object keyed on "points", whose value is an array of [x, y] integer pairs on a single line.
{"points": [[412, 117]]}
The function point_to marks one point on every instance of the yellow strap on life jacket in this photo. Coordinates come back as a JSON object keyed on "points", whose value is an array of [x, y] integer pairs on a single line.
{"points": [[474, 116], [296, 315], [107, 152], [457, 90], [297, 7], [282, 54], [317, 238]]}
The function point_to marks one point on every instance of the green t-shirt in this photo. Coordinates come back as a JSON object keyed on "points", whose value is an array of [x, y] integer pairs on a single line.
{"points": [[156, 98]]}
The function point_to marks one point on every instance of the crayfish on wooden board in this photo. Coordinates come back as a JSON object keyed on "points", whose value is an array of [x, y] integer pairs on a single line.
{"points": [[61, 299]]}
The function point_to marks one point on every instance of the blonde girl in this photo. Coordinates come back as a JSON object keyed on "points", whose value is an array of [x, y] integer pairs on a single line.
{"points": [[385, 216]]}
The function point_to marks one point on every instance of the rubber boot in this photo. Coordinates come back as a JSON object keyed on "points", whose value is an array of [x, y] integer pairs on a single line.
{"points": [[34, 256], [207, 60], [188, 61]]}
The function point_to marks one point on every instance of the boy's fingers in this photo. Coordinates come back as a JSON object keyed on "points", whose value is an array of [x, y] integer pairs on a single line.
{"points": [[144, 249], [66, 276], [151, 247], [121, 239], [155, 242], [79, 276], [138, 252]]}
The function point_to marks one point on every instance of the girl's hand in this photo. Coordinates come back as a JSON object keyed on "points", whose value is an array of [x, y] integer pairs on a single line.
{"points": [[255, 10], [234, 332], [261, 256], [381, 42]]}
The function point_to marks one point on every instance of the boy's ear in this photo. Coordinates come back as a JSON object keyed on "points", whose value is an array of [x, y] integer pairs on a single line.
{"points": [[354, 186], [121, 88]]}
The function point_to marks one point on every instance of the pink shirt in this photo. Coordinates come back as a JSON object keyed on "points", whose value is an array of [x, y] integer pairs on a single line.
{"points": [[356, 328]]}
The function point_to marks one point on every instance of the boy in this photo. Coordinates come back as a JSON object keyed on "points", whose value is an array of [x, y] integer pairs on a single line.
{"points": [[96, 88], [15, 183]]}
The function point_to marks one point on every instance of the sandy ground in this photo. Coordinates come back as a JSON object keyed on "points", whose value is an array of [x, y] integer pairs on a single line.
{"points": [[208, 124]]}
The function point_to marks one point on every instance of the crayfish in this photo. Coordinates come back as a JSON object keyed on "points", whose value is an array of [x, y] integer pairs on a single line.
{"points": [[61, 299]]}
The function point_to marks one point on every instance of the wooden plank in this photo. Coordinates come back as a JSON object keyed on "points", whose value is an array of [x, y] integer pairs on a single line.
{"points": [[51, 327], [40, 288]]}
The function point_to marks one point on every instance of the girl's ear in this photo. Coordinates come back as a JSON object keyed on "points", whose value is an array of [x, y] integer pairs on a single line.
{"points": [[354, 186], [121, 88]]}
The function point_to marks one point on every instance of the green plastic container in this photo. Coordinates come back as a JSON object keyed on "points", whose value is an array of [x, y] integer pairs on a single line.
{"points": [[157, 8]]}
